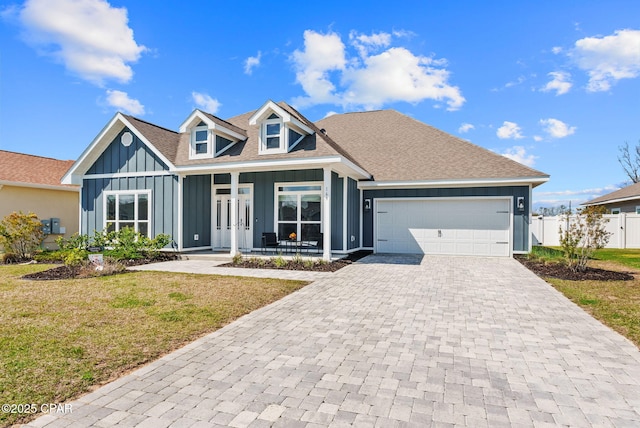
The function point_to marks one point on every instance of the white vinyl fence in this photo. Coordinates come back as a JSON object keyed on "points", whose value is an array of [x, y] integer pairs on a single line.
{"points": [[625, 229]]}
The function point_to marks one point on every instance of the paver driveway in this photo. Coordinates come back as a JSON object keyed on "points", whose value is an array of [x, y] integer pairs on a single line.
{"points": [[391, 341]]}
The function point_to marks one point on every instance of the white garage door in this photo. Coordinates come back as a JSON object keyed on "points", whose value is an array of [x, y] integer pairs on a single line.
{"points": [[459, 226]]}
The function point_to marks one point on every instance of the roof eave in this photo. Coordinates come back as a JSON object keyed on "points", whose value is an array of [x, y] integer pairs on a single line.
{"points": [[400, 184], [65, 188]]}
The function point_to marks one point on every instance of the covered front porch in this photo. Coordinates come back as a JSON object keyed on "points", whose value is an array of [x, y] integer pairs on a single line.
{"points": [[312, 212]]}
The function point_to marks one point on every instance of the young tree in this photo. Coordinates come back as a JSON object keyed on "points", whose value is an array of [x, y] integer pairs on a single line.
{"points": [[21, 234], [583, 234], [630, 161]]}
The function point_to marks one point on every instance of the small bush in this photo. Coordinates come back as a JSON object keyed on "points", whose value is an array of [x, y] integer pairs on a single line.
{"points": [[237, 259], [21, 234], [279, 262], [583, 235]]}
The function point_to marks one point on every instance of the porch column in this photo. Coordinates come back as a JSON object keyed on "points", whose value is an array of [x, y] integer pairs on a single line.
{"points": [[235, 178], [326, 215]]}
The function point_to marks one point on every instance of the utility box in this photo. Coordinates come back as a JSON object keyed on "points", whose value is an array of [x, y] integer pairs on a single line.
{"points": [[55, 226], [46, 226]]}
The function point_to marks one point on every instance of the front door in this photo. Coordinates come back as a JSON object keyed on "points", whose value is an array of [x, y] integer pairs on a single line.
{"points": [[222, 222]]}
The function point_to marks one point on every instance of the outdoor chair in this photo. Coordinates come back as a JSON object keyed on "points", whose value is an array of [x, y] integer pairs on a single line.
{"points": [[269, 240]]}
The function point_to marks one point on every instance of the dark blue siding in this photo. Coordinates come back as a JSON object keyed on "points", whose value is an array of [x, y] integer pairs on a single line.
{"points": [[196, 215], [337, 202], [353, 214], [164, 196], [135, 158], [520, 220]]}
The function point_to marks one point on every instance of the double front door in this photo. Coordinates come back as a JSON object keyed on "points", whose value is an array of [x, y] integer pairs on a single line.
{"points": [[223, 224]]}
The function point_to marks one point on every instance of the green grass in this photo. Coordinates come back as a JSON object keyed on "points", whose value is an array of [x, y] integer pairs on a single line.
{"points": [[615, 303], [59, 338]]}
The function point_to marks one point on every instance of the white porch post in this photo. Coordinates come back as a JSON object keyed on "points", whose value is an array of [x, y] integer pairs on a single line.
{"points": [[326, 215], [235, 176]]}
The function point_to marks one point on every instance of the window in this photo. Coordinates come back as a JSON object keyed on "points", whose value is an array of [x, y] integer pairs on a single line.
{"points": [[299, 211], [615, 210], [637, 209], [222, 144], [272, 139], [200, 142], [128, 209]]}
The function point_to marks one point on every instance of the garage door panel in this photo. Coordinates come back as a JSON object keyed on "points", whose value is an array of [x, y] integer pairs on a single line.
{"points": [[444, 226]]}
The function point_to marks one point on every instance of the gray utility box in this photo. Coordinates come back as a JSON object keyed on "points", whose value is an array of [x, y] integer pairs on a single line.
{"points": [[55, 226], [46, 226]]}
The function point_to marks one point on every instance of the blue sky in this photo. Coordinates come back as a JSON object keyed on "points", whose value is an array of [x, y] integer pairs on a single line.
{"points": [[552, 84]]}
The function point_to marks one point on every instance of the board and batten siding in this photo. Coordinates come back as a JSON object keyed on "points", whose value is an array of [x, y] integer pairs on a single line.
{"points": [[196, 217], [118, 159], [520, 218]]}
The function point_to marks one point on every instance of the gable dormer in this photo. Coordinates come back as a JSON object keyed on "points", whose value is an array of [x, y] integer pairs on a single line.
{"points": [[279, 131], [210, 136]]}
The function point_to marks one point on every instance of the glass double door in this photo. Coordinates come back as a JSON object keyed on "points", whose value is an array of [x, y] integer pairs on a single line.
{"points": [[222, 221]]}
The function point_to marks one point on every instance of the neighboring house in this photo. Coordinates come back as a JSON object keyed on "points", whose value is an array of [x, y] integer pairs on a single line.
{"points": [[31, 183], [625, 200], [375, 180]]}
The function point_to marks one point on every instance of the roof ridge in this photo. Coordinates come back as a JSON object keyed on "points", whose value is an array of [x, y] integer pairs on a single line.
{"points": [[149, 123]]}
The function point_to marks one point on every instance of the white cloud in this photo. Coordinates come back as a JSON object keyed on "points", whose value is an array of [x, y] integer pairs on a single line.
{"points": [[519, 154], [556, 50], [557, 128], [251, 63], [559, 82], [121, 101], [465, 127], [537, 138], [372, 78], [205, 102], [90, 37], [608, 59], [509, 130]]}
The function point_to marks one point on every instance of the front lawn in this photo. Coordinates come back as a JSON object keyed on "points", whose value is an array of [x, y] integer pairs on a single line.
{"points": [[614, 303], [60, 338]]}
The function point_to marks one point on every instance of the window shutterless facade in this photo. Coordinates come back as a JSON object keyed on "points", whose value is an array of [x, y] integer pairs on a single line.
{"points": [[298, 210], [128, 208], [200, 142]]}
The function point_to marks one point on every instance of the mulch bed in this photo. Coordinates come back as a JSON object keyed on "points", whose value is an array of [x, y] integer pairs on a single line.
{"points": [[561, 271], [255, 263], [64, 272]]}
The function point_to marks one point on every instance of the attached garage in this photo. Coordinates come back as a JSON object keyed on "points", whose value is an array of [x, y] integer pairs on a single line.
{"points": [[450, 226]]}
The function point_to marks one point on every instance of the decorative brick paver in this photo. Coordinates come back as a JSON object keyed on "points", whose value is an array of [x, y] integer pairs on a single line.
{"points": [[390, 341]]}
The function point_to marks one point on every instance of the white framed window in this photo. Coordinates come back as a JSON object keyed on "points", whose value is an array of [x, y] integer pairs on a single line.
{"points": [[616, 210], [637, 209], [272, 136], [128, 208], [298, 209], [201, 146]]}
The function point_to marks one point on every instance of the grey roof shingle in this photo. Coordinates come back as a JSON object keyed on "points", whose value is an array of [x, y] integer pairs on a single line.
{"points": [[395, 147], [387, 144], [629, 192]]}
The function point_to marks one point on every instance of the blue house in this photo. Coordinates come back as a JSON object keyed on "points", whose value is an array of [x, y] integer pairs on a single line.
{"points": [[376, 180]]}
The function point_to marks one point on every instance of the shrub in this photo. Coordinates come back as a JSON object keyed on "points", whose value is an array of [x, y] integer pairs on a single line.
{"points": [[583, 234], [237, 259], [279, 262], [21, 234]]}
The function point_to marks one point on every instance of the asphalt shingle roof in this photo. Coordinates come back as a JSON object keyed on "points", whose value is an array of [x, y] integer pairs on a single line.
{"points": [[632, 191], [389, 145], [31, 169]]}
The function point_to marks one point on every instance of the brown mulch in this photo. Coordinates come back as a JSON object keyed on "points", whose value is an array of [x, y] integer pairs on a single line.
{"points": [[64, 272], [255, 263], [561, 271]]}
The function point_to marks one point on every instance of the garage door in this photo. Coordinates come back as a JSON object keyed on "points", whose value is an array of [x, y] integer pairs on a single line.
{"points": [[458, 226]]}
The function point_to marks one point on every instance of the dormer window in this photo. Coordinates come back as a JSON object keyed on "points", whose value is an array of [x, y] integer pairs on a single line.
{"points": [[272, 138], [200, 142]]}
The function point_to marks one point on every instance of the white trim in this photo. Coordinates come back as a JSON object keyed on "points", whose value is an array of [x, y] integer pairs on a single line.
{"points": [[80, 212], [188, 123], [284, 115], [613, 201], [530, 217], [345, 223], [99, 144], [277, 192], [235, 181], [128, 174], [368, 185], [326, 213], [275, 164], [214, 214], [263, 137], [444, 198], [361, 209], [193, 143], [180, 212], [136, 221], [67, 188]]}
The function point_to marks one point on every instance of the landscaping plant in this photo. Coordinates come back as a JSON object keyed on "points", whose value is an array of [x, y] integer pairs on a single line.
{"points": [[583, 234], [21, 234]]}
